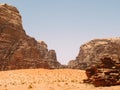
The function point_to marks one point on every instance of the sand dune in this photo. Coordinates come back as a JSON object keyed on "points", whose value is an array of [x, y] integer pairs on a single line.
{"points": [[43, 79]]}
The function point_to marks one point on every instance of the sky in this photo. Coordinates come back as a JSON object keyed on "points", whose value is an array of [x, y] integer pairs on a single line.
{"points": [[67, 24]]}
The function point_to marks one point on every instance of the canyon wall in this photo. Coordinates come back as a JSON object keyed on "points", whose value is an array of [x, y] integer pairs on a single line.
{"points": [[18, 50], [93, 51]]}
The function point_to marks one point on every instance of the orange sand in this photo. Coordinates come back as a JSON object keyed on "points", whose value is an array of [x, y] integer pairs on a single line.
{"points": [[43, 79]]}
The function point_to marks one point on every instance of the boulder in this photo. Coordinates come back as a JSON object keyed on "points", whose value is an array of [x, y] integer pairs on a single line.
{"points": [[106, 73]]}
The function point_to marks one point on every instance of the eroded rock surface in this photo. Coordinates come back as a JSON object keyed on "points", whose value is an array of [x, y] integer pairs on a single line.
{"points": [[106, 73], [18, 50], [91, 52]]}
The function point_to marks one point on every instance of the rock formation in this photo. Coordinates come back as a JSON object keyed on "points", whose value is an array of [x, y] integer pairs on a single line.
{"points": [[52, 59], [91, 52], [18, 50], [106, 73]]}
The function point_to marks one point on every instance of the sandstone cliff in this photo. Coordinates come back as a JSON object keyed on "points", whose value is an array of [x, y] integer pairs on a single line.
{"points": [[91, 52], [18, 50]]}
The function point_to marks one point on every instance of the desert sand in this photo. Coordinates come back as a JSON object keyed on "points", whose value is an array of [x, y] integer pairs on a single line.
{"points": [[44, 79]]}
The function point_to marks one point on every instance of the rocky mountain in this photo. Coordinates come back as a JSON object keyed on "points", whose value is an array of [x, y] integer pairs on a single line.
{"points": [[92, 52], [18, 50]]}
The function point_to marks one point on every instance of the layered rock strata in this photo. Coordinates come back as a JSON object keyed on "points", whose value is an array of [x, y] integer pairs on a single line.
{"points": [[91, 52], [18, 50], [106, 73]]}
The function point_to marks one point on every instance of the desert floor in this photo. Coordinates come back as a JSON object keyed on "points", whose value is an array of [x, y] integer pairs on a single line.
{"points": [[43, 79]]}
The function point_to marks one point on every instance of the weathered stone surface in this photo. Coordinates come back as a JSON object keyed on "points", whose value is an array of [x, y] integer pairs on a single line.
{"points": [[18, 50], [52, 59], [74, 64], [91, 52], [106, 73]]}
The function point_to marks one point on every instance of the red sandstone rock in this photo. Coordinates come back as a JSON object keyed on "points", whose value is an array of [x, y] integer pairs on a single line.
{"points": [[105, 74], [18, 50], [91, 52]]}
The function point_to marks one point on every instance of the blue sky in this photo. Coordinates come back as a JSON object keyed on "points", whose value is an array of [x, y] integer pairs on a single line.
{"points": [[66, 24]]}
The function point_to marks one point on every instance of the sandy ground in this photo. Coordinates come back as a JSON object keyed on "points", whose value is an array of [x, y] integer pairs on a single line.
{"points": [[43, 79]]}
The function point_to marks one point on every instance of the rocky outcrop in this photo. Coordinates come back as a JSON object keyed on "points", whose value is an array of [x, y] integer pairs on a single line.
{"points": [[18, 50], [52, 59], [74, 64], [91, 52], [106, 73]]}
